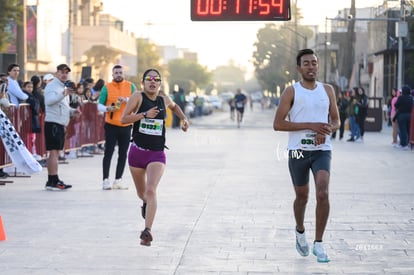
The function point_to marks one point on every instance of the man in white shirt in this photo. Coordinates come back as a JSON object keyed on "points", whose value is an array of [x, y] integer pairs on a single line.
{"points": [[14, 90], [312, 113]]}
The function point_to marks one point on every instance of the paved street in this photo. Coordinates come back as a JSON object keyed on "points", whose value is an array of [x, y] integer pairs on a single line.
{"points": [[224, 207]]}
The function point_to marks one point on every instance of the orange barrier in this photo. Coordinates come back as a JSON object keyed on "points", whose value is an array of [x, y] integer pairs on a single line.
{"points": [[2, 230], [87, 130]]}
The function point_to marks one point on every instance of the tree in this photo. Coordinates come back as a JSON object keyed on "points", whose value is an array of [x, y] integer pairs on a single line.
{"points": [[273, 58], [228, 78], [148, 56], [187, 75], [11, 12]]}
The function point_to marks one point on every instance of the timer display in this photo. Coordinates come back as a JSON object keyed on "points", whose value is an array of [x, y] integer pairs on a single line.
{"points": [[240, 10]]}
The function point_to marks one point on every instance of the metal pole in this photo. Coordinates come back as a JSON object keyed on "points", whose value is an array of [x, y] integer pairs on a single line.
{"points": [[22, 43], [69, 38], [400, 49]]}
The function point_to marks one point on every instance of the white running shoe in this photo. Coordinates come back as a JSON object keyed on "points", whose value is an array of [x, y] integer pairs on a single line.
{"points": [[106, 185], [37, 157], [119, 185], [301, 243], [72, 155], [320, 252]]}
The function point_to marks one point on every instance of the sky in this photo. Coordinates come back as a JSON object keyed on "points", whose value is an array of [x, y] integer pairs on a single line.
{"points": [[167, 22]]}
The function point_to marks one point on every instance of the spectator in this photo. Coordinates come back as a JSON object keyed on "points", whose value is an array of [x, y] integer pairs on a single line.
{"points": [[88, 117], [4, 96], [198, 102], [394, 122], [362, 103], [38, 91], [112, 101], [58, 113], [75, 124], [179, 99], [4, 105], [14, 90], [88, 84], [389, 99], [35, 109], [353, 112], [342, 104], [404, 106], [95, 93], [46, 80], [96, 89]]}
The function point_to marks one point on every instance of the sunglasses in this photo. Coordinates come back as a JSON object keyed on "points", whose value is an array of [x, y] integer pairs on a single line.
{"points": [[152, 78]]}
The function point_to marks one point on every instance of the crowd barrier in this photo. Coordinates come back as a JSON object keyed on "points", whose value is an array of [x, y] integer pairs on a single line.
{"points": [[86, 130]]}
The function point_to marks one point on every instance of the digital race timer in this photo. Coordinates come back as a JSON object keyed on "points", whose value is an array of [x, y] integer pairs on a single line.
{"points": [[240, 10]]}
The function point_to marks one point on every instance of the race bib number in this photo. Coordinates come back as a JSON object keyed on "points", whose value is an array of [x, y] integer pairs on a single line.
{"points": [[307, 140], [239, 104], [151, 126]]}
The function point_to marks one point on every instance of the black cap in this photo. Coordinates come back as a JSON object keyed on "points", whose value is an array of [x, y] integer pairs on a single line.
{"points": [[62, 67], [406, 90]]}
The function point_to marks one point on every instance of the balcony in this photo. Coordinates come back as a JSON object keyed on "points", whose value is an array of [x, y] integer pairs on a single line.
{"points": [[85, 37]]}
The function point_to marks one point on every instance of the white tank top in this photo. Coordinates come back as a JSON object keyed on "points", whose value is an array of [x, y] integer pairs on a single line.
{"points": [[308, 106]]}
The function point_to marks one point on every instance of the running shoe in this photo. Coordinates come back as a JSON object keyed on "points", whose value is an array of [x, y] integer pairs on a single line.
{"points": [[320, 252], [143, 209], [118, 184], [61, 158], [106, 185], [4, 175], [301, 244], [146, 237], [60, 185]]}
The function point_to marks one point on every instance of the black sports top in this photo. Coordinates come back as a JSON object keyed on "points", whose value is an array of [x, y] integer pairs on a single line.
{"points": [[149, 133]]}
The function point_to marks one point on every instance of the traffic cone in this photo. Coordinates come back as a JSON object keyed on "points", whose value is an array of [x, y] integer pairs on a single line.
{"points": [[2, 231]]}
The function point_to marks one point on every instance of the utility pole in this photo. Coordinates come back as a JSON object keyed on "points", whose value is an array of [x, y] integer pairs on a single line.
{"points": [[401, 26], [22, 43], [69, 38]]}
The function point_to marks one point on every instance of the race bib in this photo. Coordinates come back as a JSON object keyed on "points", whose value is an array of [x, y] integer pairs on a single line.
{"points": [[151, 126], [239, 104], [307, 140]]}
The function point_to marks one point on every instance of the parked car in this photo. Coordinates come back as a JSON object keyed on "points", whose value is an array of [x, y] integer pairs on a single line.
{"points": [[226, 96], [189, 107], [207, 108], [216, 101]]}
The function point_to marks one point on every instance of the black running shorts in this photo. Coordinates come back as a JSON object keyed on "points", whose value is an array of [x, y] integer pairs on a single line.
{"points": [[301, 162], [54, 136]]}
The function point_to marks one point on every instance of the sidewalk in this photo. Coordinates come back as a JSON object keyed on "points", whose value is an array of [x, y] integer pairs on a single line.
{"points": [[224, 207]]}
